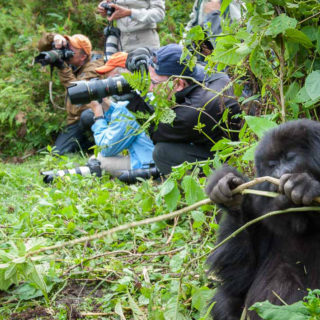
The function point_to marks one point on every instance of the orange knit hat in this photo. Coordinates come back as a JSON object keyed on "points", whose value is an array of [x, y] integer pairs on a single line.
{"points": [[118, 59], [80, 41]]}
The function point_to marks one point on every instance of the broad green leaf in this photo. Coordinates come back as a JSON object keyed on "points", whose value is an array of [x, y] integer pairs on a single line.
{"points": [[310, 32], [259, 125], [280, 24], [177, 260], [136, 311], [199, 218], [37, 277], [226, 51], [167, 187], [297, 36], [119, 311], [249, 154], [260, 65], [172, 310], [268, 311], [312, 85], [172, 198], [193, 191], [201, 297]]}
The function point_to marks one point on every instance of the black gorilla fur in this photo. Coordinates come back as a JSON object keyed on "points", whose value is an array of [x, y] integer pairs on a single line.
{"points": [[279, 255]]}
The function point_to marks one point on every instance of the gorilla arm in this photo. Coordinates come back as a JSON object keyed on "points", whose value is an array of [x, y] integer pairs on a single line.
{"points": [[235, 261]]}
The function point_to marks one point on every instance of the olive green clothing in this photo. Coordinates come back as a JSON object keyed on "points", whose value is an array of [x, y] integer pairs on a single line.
{"points": [[68, 75]]}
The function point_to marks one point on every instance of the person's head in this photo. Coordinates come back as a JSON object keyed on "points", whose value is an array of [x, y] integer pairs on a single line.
{"points": [[166, 63], [81, 46], [115, 65]]}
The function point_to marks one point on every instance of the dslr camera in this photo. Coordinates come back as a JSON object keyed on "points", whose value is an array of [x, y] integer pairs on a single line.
{"points": [[109, 10], [54, 56]]}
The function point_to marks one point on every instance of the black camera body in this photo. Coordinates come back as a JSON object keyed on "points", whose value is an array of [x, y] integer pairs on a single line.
{"points": [[109, 10], [51, 57], [83, 92]]}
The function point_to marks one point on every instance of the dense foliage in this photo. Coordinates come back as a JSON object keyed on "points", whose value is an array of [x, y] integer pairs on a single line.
{"points": [[155, 271]]}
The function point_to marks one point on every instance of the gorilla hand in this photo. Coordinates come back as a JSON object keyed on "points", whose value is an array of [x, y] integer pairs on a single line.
{"points": [[220, 191], [138, 59], [300, 188]]}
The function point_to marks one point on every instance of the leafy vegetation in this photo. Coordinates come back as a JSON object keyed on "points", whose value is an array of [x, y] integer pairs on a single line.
{"points": [[156, 271]]}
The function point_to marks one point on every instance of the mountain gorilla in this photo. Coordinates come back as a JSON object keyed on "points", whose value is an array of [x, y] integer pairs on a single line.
{"points": [[279, 256]]}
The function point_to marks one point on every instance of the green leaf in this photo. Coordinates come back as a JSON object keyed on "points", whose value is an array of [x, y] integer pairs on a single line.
{"points": [[193, 191], [37, 277], [268, 311], [312, 85], [199, 218], [226, 51], [280, 24], [260, 65], [249, 154], [177, 260], [119, 311], [297, 36], [172, 310], [201, 297], [137, 313], [167, 187], [259, 125], [224, 6], [172, 198]]}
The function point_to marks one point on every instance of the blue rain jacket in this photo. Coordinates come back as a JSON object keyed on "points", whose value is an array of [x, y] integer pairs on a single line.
{"points": [[119, 130]]}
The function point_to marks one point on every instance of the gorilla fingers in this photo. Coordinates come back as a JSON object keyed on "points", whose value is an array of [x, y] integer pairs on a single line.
{"points": [[300, 188], [221, 185]]}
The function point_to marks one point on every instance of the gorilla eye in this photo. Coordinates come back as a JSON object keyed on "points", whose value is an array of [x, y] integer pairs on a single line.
{"points": [[272, 163], [291, 156]]}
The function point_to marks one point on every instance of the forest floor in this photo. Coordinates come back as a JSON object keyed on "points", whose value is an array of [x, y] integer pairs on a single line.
{"points": [[156, 271]]}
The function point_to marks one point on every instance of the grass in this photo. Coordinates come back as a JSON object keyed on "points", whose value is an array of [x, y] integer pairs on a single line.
{"points": [[151, 272]]}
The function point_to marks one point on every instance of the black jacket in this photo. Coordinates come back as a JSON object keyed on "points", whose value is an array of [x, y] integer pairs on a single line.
{"points": [[191, 102]]}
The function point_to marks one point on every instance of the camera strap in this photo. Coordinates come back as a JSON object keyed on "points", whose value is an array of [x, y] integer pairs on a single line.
{"points": [[55, 106]]}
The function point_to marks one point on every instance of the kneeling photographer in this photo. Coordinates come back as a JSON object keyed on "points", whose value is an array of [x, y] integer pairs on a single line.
{"points": [[72, 56], [115, 129]]}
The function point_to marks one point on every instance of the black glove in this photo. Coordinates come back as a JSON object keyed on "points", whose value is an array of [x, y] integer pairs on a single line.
{"points": [[138, 60], [59, 63]]}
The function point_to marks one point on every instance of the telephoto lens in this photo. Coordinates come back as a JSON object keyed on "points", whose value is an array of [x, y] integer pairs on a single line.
{"points": [[82, 92], [92, 167], [111, 46], [130, 176]]}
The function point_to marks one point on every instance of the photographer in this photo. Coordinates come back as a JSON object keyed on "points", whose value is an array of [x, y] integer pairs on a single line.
{"points": [[182, 140], [137, 21], [115, 128], [80, 66]]}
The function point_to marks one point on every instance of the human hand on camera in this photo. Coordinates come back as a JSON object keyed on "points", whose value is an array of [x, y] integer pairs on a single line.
{"points": [[138, 59], [96, 107], [119, 12], [59, 41]]}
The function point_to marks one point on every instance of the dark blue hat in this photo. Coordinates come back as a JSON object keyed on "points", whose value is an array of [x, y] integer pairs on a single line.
{"points": [[166, 62]]}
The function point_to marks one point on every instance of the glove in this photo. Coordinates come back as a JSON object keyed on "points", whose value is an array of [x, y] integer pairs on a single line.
{"points": [[59, 63], [138, 60]]}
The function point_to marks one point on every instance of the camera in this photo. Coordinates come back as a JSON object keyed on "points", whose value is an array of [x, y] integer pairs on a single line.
{"points": [[109, 10], [82, 92], [53, 56]]}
